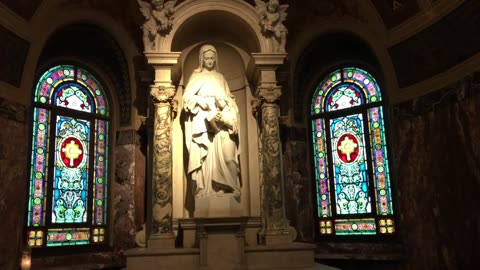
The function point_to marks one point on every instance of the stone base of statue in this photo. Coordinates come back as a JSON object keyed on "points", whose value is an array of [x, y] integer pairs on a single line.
{"points": [[193, 229], [222, 244], [166, 241], [221, 205]]}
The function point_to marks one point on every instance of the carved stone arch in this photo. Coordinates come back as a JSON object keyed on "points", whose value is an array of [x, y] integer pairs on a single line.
{"points": [[112, 63], [193, 15], [359, 30]]}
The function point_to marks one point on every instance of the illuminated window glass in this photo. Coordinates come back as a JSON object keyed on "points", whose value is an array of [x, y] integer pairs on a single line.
{"points": [[67, 202], [350, 156]]}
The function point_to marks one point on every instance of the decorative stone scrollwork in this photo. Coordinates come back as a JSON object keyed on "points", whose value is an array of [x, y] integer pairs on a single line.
{"points": [[162, 197], [272, 15], [267, 110], [162, 163], [158, 21], [272, 166]]}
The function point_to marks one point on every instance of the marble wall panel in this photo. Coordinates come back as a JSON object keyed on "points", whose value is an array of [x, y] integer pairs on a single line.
{"points": [[299, 205], [128, 190], [13, 181], [123, 219], [437, 155]]}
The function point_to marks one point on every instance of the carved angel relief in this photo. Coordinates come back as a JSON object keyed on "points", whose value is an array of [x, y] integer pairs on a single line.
{"points": [[272, 15], [158, 21]]}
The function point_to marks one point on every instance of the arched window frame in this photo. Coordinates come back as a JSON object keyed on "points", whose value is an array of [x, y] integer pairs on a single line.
{"points": [[51, 107], [367, 104]]}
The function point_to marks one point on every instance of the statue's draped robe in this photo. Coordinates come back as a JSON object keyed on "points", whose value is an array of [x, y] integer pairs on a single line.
{"points": [[212, 155]]}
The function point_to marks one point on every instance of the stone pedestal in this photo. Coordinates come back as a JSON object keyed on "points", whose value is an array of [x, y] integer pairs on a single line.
{"points": [[158, 259], [165, 240], [222, 244], [285, 257], [224, 206], [194, 228]]}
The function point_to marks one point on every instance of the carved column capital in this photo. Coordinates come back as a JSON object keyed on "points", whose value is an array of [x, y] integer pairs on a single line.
{"points": [[162, 94], [269, 94]]}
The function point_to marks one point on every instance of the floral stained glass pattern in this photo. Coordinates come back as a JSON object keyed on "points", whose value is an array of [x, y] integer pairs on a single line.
{"points": [[38, 171], [350, 155], [100, 188], [67, 203], [350, 165], [70, 185], [55, 79], [321, 168], [68, 237], [73, 96]]}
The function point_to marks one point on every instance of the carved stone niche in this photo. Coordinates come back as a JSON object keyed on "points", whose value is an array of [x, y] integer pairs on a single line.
{"points": [[226, 224], [232, 28]]}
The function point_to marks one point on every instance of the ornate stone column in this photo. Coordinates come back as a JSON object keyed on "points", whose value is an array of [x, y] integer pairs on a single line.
{"points": [[160, 233], [276, 229]]}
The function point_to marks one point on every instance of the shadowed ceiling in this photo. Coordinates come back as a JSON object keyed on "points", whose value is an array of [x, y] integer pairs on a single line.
{"points": [[449, 39], [393, 12]]}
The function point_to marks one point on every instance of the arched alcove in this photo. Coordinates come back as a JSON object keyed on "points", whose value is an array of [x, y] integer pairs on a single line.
{"points": [[216, 25], [196, 21], [94, 47], [323, 53]]}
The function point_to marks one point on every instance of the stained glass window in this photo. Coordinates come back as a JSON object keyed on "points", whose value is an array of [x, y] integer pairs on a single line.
{"points": [[67, 202], [350, 156]]}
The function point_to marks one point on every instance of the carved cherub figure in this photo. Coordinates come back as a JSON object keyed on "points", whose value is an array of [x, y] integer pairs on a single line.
{"points": [[159, 17], [272, 15]]}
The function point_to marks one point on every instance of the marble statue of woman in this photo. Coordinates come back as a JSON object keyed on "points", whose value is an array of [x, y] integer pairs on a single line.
{"points": [[211, 129]]}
